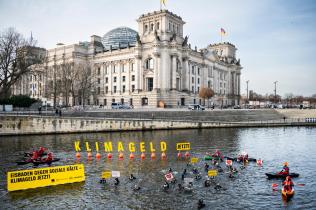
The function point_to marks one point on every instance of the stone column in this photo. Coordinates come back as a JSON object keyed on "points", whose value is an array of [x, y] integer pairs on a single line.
{"points": [[174, 73], [184, 74], [119, 79], [138, 71], [110, 84], [157, 71]]}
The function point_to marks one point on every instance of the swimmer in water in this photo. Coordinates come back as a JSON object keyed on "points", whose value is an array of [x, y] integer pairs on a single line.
{"points": [[218, 187], [207, 183], [166, 186], [136, 187], [132, 177], [117, 181], [201, 204]]}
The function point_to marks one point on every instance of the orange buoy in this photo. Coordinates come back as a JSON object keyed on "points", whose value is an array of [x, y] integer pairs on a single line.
{"points": [[109, 156], [131, 156], [142, 156], [89, 155], [179, 155], [187, 155], [121, 156], [78, 155], [163, 156], [153, 155], [98, 156]]}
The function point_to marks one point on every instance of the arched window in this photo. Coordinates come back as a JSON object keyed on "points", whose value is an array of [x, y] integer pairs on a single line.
{"points": [[151, 27], [149, 63], [157, 25], [146, 28]]}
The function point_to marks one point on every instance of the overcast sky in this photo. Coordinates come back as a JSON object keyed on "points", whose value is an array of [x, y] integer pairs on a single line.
{"points": [[275, 38]]}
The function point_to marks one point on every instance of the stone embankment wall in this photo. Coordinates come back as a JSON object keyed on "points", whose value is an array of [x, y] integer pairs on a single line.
{"points": [[22, 125]]}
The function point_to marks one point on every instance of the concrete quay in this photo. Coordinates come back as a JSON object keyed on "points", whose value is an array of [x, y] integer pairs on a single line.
{"points": [[135, 120]]}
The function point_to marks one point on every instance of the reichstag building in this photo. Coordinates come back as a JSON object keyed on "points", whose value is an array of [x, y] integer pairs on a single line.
{"points": [[154, 67]]}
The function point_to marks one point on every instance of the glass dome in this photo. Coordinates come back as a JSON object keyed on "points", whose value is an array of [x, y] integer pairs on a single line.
{"points": [[121, 36]]}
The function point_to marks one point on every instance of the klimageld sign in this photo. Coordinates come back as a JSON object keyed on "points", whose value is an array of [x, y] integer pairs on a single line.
{"points": [[42, 177]]}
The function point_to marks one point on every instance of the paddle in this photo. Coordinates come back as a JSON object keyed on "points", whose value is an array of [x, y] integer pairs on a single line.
{"points": [[275, 185]]}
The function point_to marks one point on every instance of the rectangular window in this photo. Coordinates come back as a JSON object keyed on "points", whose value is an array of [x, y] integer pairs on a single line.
{"points": [[106, 80], [198, 90], [192, 69], [99, 71], [192, 79], [123, 87], [123, 79], [106, 89], [106, 70], [104, 102], [99, 80], [192, 88], [198, 71], [114, 89], [133, 88], [198, 81], [220, 84], [99, 90], [114, 69], [113, 100], [114, 79], [133, 77], [132, 67], [150, 84], [123, 68]]}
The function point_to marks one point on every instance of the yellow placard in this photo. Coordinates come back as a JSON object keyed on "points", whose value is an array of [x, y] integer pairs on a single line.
{"points": [[194, 160], [106, 174], [212, 173], [183, 146], [42, 177]]}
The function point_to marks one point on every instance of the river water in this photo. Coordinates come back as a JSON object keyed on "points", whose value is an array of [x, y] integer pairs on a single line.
{"points": [[249, 190]]}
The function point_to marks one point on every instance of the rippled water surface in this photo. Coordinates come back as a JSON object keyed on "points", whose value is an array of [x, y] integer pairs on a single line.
{"points": [[249, 190]]}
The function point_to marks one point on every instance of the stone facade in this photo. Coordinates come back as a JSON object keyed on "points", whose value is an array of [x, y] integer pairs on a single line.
{"points": [[159, 69]]}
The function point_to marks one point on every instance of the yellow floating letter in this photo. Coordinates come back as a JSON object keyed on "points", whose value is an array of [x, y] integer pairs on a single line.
{"points": [[77, 146], [108, 146], [152, 149], [120, 147], [131, 147], [142, 146], [163, 146], [97, 146], [87, 147]]}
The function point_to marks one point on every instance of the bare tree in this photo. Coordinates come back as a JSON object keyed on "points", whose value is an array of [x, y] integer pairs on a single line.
{"points": [[17, 55], [86, 82], [67, 71], [206, 93]]}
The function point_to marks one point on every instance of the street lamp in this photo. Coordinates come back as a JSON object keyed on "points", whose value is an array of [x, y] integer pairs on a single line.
{"points": [[275, 85]]}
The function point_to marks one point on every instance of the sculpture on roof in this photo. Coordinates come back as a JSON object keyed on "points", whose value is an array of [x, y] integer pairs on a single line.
{"points": [[138, 39], [185, 41]]}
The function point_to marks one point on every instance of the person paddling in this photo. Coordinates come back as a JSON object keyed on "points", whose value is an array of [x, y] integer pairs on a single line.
{"points": [[34, 156], [49, 158], [41, 151], [288, 183], [285, 170]]}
